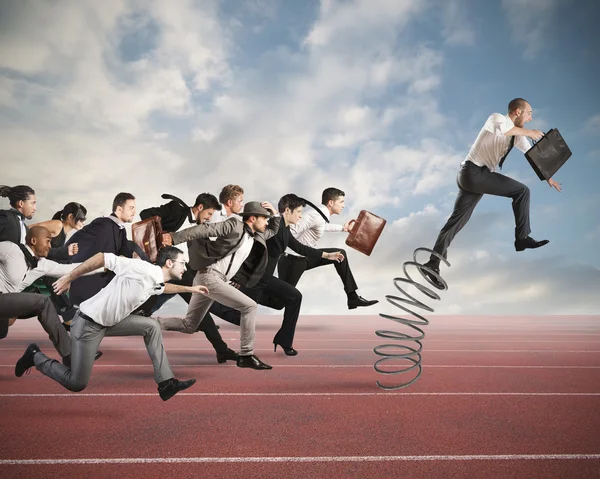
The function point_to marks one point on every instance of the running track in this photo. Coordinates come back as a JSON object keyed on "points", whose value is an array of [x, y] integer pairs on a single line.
{"points": [[499, 397]]}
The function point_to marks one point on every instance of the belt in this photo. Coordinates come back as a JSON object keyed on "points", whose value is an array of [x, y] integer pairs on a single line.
{"points": [[470, 163], [85, 316]]}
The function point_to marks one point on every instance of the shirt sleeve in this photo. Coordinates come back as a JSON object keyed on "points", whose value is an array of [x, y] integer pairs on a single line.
{"points": [[498, 124], [5, 247], [111, 261], [329, 227], [522, 143], [47, 267], [305, 223]]}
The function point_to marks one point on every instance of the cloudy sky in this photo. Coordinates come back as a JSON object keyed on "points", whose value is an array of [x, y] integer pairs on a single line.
{"points": [[380, 98]]}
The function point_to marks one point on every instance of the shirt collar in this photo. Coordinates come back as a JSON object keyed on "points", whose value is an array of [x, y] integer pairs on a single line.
{"points": [[325, 211], [19, 214], [31, 251], [113, 217], [248, 230], [509, 120]]}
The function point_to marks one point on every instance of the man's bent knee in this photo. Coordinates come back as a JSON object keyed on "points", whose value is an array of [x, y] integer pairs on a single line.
{"points": [[77, 386]]}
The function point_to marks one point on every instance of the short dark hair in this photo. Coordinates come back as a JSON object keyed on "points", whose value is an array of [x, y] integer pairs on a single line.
{"points": [[208, 201], [290, 201], [167, 252], [229, 192], [76, 209], [517, 103], [16, 193], [331, 194], [121, 199]]}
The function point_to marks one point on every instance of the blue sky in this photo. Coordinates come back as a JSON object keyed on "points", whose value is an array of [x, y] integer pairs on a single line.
{"points": [[379, 98]]}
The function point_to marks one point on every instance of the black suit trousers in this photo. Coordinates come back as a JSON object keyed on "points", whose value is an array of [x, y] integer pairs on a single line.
{"points": [[473, 182], [291, 268]]}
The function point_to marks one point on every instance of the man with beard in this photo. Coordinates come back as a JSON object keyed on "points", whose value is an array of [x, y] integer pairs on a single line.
{"points": [[103, 235], [218, 261], [478, 176], [176, 216]]}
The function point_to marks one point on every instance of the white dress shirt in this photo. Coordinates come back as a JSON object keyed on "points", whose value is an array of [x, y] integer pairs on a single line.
{"points": [[239, 256], [311, 226], [183, 246], [15, 275], [23, 229], [491, 143], [134, 283]]}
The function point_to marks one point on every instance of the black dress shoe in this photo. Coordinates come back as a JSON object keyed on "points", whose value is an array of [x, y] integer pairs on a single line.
{"points": [[360, 301], [26, 361], [167, 389], [288, 351], [436, 282], [529, 243], [230, 355], [252, 362]]}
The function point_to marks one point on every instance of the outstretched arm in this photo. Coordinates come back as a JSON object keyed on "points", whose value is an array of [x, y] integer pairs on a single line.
{"points": [[518, 131], [64, 283], [178, 288], [205, 230]]}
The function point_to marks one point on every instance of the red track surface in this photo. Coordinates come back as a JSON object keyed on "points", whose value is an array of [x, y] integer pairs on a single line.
{"points": [[499, 397]]}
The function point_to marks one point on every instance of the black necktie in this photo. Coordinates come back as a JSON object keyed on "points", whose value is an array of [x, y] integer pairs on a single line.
{"points": [[31, 260], [304, 200], [510, 147]]}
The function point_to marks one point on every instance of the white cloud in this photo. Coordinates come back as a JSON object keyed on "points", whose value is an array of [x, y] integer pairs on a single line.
{"points": [[529, 21], [353, 104], [457, 29], [363, 18], [592, 125]]}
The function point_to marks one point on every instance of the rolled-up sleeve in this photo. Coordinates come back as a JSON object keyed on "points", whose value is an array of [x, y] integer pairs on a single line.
{"points": [[498, 124], [522, 143]]}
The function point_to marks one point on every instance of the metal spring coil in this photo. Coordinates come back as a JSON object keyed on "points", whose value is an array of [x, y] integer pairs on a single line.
{"points": [[408, 353]]}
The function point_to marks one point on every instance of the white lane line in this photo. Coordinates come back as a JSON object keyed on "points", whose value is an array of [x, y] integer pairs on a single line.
{"points": [[366, 349], [176, 460], [336, 366], [229, 394]]}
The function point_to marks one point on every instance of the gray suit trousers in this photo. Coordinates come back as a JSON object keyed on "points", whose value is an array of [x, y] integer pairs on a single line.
{"points": [[473, 182], [87, 335], [30, 304], [224, 293]]}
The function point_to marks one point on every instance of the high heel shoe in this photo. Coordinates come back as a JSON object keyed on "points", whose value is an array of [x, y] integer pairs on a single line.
{"points": [[286, 350]]}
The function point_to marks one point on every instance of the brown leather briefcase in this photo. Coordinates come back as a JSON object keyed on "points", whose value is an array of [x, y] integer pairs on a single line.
{"points": [[548, 154], [365, 232], [147, 235]]}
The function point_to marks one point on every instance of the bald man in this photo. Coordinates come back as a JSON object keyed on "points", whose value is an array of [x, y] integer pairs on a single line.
{"points": [[21, 265]]}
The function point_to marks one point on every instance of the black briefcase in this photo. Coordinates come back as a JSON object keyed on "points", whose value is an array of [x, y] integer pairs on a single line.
{"points": [[548, 154]]}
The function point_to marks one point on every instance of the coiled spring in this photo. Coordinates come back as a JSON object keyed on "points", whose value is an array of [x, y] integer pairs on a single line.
{"points": [[408, 349]]}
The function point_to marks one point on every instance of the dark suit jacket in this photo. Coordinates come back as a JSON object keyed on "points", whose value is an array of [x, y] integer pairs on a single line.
{"points": [[172, 215], [102, 235], [229, 233], [10, 226], [277, 244]]}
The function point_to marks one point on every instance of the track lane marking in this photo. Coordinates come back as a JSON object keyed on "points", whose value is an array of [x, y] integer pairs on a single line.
{"points": [[176, 460]]}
